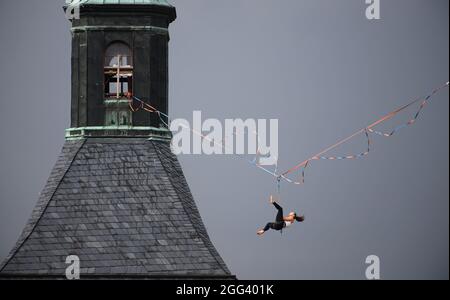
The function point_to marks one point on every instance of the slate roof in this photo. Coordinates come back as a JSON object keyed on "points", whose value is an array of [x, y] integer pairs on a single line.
{"points": [[124, 207]]}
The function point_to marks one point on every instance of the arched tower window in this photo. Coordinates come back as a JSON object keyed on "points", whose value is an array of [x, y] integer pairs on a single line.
{"points": [[118, 70]]}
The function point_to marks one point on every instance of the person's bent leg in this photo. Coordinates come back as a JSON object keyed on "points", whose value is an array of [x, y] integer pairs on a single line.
{"points": [[279, 217], [278, 226], [268, 226]]}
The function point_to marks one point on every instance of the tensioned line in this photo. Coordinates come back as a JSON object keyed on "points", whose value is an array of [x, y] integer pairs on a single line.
{"points": [[370, 129]]}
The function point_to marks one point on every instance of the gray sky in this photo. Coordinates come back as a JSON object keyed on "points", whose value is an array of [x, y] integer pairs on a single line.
{"points": [[323, 70]]}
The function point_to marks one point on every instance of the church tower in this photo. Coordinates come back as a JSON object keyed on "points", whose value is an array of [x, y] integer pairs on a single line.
{"points": [[117, 198]]}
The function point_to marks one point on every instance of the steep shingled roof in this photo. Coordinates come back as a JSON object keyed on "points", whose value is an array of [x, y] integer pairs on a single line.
{"points": [[124, 207]]}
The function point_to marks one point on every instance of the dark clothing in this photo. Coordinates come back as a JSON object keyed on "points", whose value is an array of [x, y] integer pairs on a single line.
{"points": [[279, 222]]}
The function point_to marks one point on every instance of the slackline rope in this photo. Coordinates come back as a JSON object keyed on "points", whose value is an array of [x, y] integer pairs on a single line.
{"points": [[369, 129], [319, 156]]}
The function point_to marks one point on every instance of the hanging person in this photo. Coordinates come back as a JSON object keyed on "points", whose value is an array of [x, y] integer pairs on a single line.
{"points": [[281, 221]]}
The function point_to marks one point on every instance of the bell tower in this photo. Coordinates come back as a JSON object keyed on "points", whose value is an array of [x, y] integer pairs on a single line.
{"points": [[117, 198], [119, 51]]}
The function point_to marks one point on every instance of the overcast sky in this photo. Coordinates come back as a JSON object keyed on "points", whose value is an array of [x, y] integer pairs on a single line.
{"points": [[323, 70]]}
